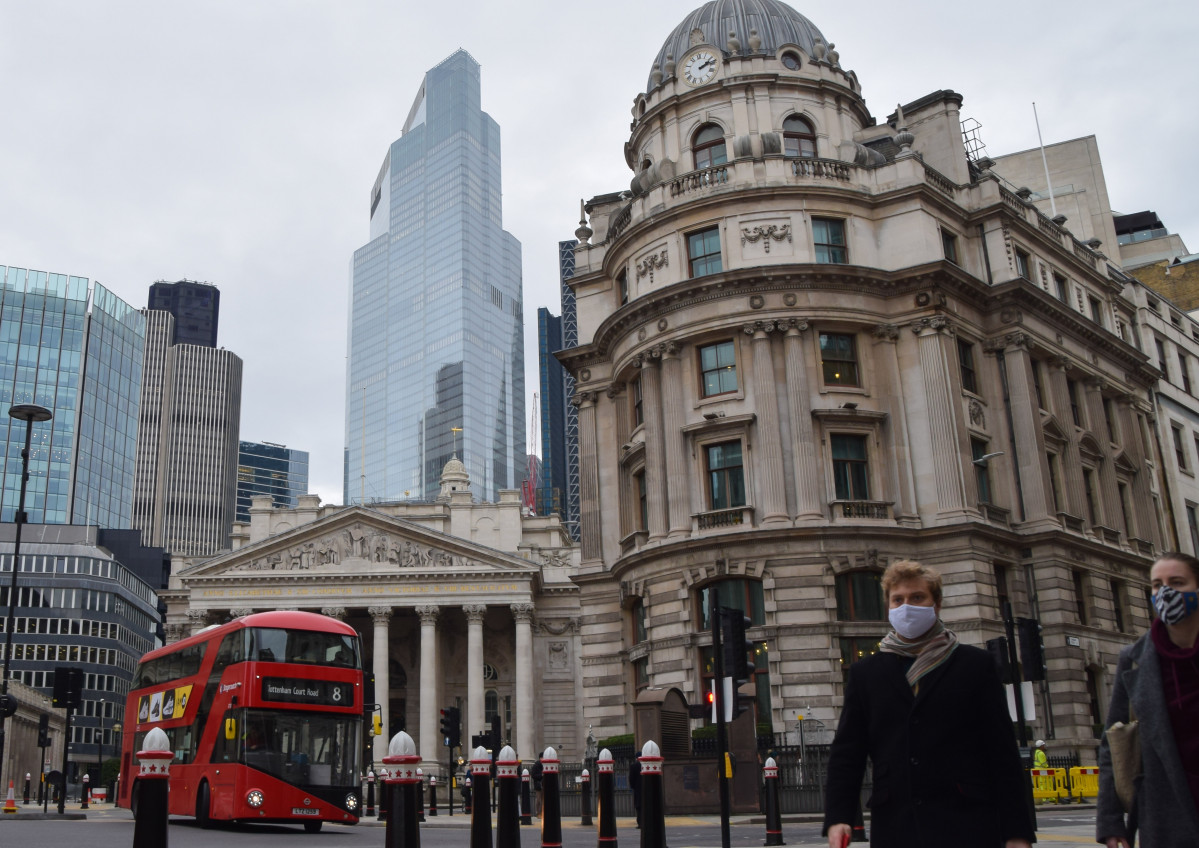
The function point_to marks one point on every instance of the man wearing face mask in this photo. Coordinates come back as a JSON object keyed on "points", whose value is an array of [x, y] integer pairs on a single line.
{"points": [[931, 715], [1157, 685]]}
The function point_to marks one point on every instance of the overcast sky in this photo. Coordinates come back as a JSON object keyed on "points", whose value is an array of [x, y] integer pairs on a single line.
{"points": [[237, 142]]}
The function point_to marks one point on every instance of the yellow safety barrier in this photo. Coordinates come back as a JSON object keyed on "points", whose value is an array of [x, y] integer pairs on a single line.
{"points": [[1084, 782], [1048, 784]]}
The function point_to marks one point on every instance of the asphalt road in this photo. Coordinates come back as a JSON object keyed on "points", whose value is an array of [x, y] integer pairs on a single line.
{"points": [[113, 828]]}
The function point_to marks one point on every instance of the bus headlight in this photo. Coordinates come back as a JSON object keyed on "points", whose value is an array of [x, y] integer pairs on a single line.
{"points": [[254, 798], [351, 802]]}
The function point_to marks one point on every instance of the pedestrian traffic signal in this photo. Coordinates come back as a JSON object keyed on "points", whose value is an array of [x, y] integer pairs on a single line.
{"points": [[1032, 649], [451, 727], [43, 731], [997, 648]]}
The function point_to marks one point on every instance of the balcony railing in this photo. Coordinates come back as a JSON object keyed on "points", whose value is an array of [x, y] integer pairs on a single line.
{"points": [[862, 509], [996, 514], [699, 180], [940, 182], [826, 169], [620, 222], [717, 518]]}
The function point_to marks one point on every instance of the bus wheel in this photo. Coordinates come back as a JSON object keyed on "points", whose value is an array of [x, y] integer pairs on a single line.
{"points": [[203, 805], [312, 827]]}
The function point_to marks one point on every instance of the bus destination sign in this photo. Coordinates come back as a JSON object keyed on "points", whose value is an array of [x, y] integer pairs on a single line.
{"points": [[326, 692]]}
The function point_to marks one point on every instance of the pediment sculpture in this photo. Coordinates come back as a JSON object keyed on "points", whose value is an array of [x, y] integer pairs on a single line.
{"points": [[356, 543]]}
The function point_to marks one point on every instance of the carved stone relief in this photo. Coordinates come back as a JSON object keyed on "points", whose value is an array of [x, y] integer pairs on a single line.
{"points": [[356, 542]]}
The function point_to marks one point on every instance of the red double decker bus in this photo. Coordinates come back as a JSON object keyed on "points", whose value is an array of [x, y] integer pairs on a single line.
{"points": [[264, 715]]}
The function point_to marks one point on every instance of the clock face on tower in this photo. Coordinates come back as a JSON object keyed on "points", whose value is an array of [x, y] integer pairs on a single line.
{"points": [[699, 67]]}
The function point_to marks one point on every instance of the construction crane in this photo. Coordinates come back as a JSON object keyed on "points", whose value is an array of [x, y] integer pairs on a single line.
{"points": [[528, 489]]}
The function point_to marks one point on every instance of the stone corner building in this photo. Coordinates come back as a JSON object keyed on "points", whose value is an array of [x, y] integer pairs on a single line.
{"points": [[458, 603], [812, 342]]}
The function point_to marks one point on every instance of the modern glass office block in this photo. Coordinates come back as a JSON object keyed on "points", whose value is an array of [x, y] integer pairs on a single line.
{"points": [[265, 468], [435, 363], [85, 365]]}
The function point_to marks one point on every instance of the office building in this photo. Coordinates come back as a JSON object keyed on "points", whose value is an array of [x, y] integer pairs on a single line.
{"points": [[265, 468], [196, 307], [435, 364], [813, 341], [187, 442], [76, 350], [551, 488]]}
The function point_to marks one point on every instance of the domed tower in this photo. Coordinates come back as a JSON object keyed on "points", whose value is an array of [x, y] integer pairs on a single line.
{"points": [[812, 343]]}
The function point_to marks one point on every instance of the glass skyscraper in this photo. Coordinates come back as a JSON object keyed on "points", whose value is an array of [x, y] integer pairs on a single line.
{"points": [[436, 363], [85, 366], [265, 468]]}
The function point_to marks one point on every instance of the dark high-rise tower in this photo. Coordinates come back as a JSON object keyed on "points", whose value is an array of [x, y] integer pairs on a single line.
{"points": [[196, 307], [436, 364]]}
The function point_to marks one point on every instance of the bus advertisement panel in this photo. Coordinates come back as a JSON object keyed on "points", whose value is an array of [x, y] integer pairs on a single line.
{"points": [[264, 716]]}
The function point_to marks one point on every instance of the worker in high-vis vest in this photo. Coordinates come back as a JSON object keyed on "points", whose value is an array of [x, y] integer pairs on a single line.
{"points": [[1040, 759]]}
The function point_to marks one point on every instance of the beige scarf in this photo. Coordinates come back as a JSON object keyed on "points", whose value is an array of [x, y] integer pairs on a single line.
{"points": [[930, 651]]}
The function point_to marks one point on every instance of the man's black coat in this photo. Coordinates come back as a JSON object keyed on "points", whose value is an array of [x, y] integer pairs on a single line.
{"points": [[947, 771]]}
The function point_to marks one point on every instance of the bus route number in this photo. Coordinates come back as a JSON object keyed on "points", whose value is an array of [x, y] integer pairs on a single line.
{"points": [[291, 691]]}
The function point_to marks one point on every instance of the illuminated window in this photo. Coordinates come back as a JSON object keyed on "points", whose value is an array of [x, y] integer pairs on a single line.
{"points": [[839, 359]]}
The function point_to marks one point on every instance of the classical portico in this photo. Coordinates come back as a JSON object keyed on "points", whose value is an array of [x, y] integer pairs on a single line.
{"points": [[444, 619]]}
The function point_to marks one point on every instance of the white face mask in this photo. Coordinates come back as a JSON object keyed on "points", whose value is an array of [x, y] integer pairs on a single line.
{"points": [[912, 622]]}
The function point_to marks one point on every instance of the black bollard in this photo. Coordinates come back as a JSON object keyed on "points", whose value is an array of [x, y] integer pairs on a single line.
{"points": [[150, 821], [466, 805], [480, 811], [526, 799], [653, 813], [585, 799], [403, 826], [420, 794], [384, 795], [432, 794], [551, 803], [370, 792], [85, 792], [774, 817], [507, 817], [26, 797], [606, 799]]}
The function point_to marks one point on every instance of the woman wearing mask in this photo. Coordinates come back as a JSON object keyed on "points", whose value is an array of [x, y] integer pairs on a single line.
{"points": [[1157, 684]]}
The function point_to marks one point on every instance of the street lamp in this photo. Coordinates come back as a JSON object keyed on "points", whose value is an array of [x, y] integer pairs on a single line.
{"points": [[27, 412]]}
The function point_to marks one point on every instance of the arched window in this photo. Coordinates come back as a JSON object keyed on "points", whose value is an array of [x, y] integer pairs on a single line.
{"points": [[799, 139], [708, 147]]}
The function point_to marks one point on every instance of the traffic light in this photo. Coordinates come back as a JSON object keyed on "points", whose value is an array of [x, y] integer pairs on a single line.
{"points": [[43, 731], [738, 649], [68, 687], [495, 734], [1032, 650], [376, 725], [451, 727], [997, 648]]}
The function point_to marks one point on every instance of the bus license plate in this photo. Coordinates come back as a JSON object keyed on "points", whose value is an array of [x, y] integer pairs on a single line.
{"points": [[304, 811]]}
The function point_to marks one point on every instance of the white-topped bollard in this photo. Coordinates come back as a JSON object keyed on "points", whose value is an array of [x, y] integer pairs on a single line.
{"points": [[403, 827], [150, 821]]}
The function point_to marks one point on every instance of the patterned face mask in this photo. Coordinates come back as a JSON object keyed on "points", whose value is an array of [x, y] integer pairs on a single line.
{"points": [[1173, 606]]}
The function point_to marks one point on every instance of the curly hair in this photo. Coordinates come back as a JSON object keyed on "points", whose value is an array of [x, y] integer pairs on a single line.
{"points": [[909, 569]]}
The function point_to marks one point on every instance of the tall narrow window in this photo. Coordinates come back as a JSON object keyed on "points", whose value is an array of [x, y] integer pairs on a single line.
{"points": [[708, 147], [839, 359], [1072, 391], [1180, 454], [719, 365], [1096, 310], [1109, 420], [1001, 587], [635, 396], [1055, 484], [1022, 263], [1193, 526], [1080, 596], [798, 138], [1125, 508], [1059, 283], [1088, 486], [966, 365], [982, 473], [949, 245], [703, 252], [622, 283], [642, 503], [828, 236], [850, 470], [1119, 605], [1036, 382], [1161, 357], [726, 476], [1184, 371]]}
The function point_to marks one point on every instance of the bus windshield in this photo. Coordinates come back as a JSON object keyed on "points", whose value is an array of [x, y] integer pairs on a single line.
{"points": [[302, 748], [269, 644]]}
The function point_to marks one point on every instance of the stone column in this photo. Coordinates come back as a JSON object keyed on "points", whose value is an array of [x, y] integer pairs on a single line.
{"points": [[677, 488], [474, 669], [334, 612], [1076, 502], [890, 393], [945, 452], [768, 466], [381, 617], [526, 733], [1109, 496], [809, 494], [655, 464], [591, 538], [429, 740], [1030, 461]]}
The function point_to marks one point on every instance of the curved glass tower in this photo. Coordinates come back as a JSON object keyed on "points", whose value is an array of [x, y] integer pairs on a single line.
{"points": [[435, 362]]}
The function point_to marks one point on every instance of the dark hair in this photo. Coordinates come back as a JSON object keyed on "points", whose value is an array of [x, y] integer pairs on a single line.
{"points": [[1186, 559]]}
